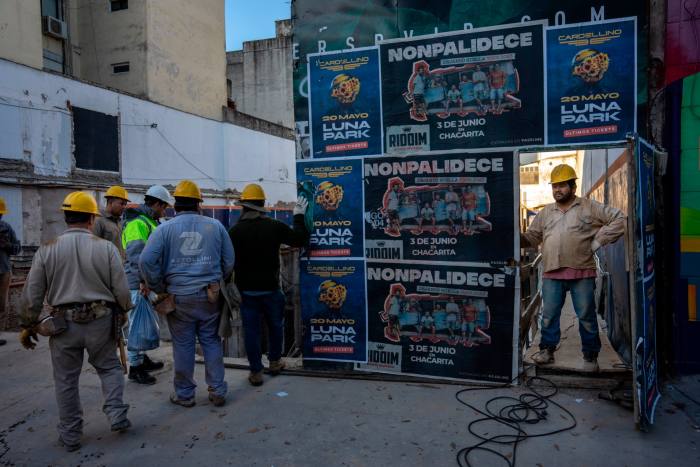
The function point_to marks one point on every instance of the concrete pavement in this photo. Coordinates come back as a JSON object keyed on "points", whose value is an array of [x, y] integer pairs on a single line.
{"points": [[300, 421]]}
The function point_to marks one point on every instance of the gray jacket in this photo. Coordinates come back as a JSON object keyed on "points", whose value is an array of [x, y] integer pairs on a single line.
{"points": [[76, 267]]}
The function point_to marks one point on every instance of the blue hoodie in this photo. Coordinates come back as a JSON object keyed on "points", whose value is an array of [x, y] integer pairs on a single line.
{"points": [[187, 253]]}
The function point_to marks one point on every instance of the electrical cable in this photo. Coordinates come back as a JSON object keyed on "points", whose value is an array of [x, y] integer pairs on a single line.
{"points": [[515, 414], [183, 157], [40, 109]]}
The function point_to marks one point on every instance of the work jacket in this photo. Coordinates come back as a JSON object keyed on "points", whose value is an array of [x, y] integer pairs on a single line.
{"points": [[109, 228], [570, 238], [139, 224], [186, 254], [76, 267], [256, 239]]}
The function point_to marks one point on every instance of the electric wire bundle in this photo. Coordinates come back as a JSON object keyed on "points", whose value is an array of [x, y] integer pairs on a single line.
{"points": [[514, 414]]}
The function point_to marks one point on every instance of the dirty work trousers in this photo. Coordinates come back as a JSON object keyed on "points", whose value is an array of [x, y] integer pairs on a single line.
{"points": [[195, 318], [67, 351], [583, 298], [255, 307]]}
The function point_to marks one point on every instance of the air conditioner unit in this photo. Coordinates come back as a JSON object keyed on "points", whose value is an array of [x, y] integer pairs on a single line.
{"points": [[54, 27]]}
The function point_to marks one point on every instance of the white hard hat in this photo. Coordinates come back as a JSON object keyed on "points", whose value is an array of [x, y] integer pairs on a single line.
{"points": [[159, 192]]}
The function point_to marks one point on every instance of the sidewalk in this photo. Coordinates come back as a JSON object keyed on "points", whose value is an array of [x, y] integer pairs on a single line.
{"points": [[301, 421]]}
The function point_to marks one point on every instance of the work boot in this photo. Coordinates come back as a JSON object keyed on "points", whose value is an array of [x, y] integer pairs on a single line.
{"points": [[182, 402], [141, 376], [276, 366], [68, 447], [590, 364], [543, 357], [150, 365], [122, 426], [255, 378], [217, 400]]}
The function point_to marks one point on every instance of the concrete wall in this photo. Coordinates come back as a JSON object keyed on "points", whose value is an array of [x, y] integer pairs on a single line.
{"points": [[234, 73], [36, 143], [107, 37], [20, 32], [175, 48], [261, 77], [187, 56]]}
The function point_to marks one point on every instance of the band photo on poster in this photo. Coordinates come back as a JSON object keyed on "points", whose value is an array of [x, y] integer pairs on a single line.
{"points": [[444, 321], [462, 90], [455, 207]]}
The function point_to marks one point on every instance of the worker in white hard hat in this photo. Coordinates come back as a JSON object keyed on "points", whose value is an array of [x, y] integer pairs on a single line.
{"points": [[9, 245], [571, 230], [139, 224]]}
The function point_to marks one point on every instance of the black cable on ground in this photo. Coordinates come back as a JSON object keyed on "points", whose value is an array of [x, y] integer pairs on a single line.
{"points": [[515, 415]]}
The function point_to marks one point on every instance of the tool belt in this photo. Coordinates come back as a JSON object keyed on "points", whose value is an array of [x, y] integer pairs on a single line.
{"points": [[51, 324], [85, 312]]}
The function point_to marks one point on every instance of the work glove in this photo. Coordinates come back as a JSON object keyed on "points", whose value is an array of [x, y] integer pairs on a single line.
{"points": [[25, 337], [300, 207]]}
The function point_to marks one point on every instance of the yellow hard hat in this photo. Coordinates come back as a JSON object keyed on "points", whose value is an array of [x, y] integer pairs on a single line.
{"points": [[188, 189], [562, 173], [253, 192], [3, 206], [117, 192], [79, 201]]}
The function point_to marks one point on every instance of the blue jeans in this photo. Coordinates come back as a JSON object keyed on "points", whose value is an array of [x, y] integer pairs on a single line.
{"points": [[253, 309], [195, 318], [553, 296]]}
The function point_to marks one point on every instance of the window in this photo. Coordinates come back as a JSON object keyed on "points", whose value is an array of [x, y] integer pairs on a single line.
{"points": [[116, 5], [53, 8], [52, 61], [118, 68], [96, 140], [530, 175]]}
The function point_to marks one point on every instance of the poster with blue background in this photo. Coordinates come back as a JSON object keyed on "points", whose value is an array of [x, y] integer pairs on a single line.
{"points": [[591, 82], [333, 310], [646, 369], [334, 217], [345, 104]]}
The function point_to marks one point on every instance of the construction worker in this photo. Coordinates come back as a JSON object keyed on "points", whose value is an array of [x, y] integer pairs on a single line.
{"points": [[256, 240], [82, 278], [571, 230], [188, 256], [9, 245], [139, 224], [109, 225]]}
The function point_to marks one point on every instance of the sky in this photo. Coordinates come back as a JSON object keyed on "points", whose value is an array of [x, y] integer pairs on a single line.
{"points": [[248, 20]]}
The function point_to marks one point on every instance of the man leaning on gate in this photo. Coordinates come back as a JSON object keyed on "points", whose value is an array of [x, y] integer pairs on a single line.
{"points": [[571, 230]]}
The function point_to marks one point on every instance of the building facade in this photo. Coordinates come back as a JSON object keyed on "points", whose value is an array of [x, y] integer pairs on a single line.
{"points": [[168, 51], [259, 77]]}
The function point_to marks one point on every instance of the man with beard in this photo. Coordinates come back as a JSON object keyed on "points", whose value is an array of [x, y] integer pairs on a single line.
{"points": [[571, 230]]}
